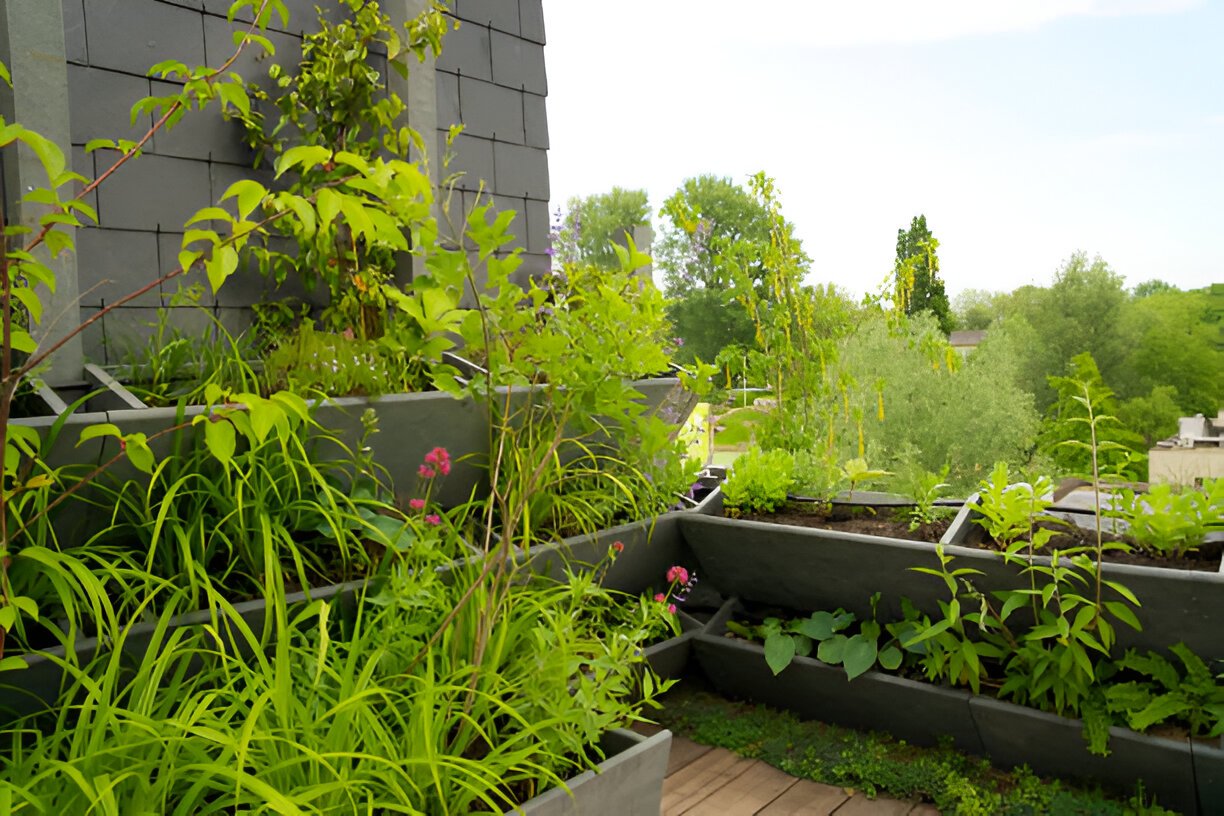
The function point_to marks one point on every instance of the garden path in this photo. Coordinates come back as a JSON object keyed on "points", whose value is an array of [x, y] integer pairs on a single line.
{"points": [[705, 781]]}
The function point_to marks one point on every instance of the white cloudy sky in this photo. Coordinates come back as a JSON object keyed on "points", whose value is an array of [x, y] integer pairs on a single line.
{"points": [[1023, 129]]}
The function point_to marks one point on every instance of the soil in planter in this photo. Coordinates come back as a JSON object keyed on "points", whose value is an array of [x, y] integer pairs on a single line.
{"points": [[1205, 559], [865, 520]]}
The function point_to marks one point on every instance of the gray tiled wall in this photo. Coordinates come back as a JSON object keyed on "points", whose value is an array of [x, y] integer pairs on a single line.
{"points": [[490, 78]]}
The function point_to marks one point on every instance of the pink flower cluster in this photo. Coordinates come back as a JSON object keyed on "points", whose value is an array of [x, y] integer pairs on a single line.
{"points": [[436, 461], [680, 582]]}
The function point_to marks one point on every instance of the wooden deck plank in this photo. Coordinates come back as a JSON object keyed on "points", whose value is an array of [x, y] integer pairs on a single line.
{"points": [[806, 798], [752, 790], [684, 752], [860, 805], [700, 779]]}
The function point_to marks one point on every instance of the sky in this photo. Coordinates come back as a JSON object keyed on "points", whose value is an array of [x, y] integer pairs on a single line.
{"points": [[1024, 130]]}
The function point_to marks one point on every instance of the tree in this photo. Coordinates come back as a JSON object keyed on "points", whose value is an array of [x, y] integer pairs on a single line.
{"points": [[976, 309], [917, 270], [1170, 341], [712, 228], [1080, 312], [1066, 436], [1153, 287], [592, 224]]}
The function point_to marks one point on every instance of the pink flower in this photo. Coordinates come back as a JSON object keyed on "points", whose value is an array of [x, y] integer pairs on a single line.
{"points": [[678, 575], [440, 458], [433, 518], [348, 333], [671, 608], [618, 546], [661, 598], [416, 504], [426, 472]]}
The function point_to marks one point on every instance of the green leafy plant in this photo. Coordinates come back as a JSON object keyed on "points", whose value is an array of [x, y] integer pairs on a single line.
{"points": [[758, 482], [1189, 693], [925, 488], [825, 632], [1170, 523], [338, 103], [173, 365], [856, 471]]}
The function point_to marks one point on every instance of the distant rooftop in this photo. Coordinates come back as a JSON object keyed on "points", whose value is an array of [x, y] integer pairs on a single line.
{"points": [[1197, 431], [966, 339]]}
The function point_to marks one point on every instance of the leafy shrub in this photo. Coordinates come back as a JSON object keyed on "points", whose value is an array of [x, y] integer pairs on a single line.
{"points": [[1171, 523], [758, 482]]}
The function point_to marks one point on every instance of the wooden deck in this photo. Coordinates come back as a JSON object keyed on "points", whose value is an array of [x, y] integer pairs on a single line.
{"points": [[704, 781]]}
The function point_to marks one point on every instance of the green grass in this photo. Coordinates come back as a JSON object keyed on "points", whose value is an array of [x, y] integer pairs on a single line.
{"points": [[878, 765]]}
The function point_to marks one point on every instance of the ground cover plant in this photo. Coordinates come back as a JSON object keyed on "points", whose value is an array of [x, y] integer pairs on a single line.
{"points": [[878, 765]]}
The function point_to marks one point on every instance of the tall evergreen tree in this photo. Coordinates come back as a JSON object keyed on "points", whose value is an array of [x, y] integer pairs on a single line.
{"points": [[917, 271]]}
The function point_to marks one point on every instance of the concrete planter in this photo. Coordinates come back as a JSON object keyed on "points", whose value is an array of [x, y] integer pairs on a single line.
{"points": [[917, 712], [805, 569], [40, 684], [1184, 776], [628, 783], [1178, 604]]}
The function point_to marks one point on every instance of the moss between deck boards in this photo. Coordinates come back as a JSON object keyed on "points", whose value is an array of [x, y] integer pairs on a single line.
{"points": [[954, 782]]}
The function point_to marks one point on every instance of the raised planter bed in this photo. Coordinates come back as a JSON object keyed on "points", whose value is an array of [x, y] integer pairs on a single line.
{"points": [[1182, 775], [39, 685], [801, 568], [628, 783]]}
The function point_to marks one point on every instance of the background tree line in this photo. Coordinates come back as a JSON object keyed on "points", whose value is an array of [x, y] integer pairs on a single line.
{"points": [[1153, 352]]}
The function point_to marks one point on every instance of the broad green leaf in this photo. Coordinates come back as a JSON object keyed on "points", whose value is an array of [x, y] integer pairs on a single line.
{"points": [[12, 664], [95, 431], [221, 265], [249, 193], [139, 453], [779, 651], [859, 655], [890, 658], [832, 650], [221, 440], [301, 156]]}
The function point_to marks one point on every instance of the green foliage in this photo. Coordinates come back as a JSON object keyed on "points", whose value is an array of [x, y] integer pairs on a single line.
{"points": [[856, 471], [1153, 416], [592, 224], [758, 482], [825, 633], [1167, 522], [713, 231], [313, 362], [876, 764], [341, 109], [917, 273], [1189, 693], [174, 364], [936, 409], [925, 488], [1082, 432]]}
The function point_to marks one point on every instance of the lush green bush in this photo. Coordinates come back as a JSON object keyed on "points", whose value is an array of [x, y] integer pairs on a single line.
{"points": [[758, 482], [966, 416]]}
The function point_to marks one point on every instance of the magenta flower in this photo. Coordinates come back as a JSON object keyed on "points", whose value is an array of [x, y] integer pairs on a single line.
{"points": [[416, 504], [439, 458], [426, 472], [661, 598], [678, 575], [671, 608], [433, 518], [618, 546]]}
